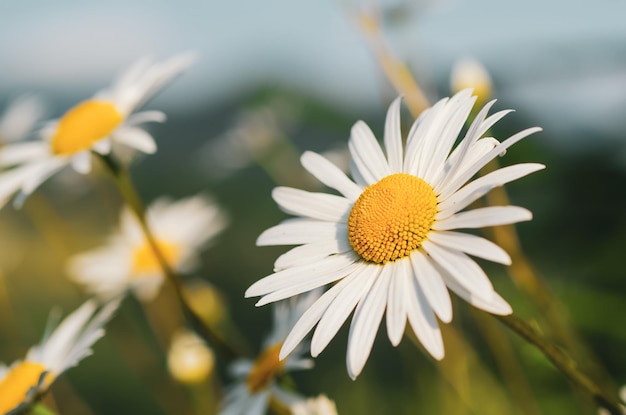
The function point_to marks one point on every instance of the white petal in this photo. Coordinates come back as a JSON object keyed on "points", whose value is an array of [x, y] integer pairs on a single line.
{"points": [[462, 268], [393, 136], [136, 138], [293, 276], [365, 323], [11, 181], [482, 217], [310, 318], [494, 305], [444, 136], [146, 116], [481, 186], [314, 281], [356, 175], [330, 175], [472, 245], [367, 154], [418, 135], [320, 206], [81, 162], [102, 146], [305, 254], [301, 231], [396, 300], [423, 322], [355, 287], [40, 172], [432, 285], [18, 153], [462, 177]]}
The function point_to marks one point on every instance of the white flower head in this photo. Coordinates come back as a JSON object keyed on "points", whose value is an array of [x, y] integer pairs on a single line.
{"points": [[470, 73], [315, 406], [389, 241], [19, 119], [181, 228], [64, 348], [256, 379], [92, 125]]}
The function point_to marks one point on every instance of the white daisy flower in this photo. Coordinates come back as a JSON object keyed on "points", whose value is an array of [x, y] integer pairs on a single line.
{"points": [[181, 229], [256, 385], [315, 406], [92, 125], [19, 118], [389, 241], [68, 344]]}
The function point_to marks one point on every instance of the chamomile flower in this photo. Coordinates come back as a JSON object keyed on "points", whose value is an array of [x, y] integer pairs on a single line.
{"points": [[315, 406], [257, 379], [23, 381], [181, 229], [93, 125], [389, 241]]}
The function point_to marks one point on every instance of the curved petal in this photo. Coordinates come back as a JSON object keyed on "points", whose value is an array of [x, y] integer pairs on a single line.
{"points": [[481, 186], [81, 162], [301, 231], [472, 245], [482, 217], [494, 305], [365, 323], [18, 153], [396, 300], [319, 206], [356, 286], [330, 175], [462, 268], [292, 276], [393, 137], [146, 116], [314, 281], [443, 137], [136, 138], [367, 154], [310, 318], [423, 322], [305, 254], [431, 283], [461, 177]]}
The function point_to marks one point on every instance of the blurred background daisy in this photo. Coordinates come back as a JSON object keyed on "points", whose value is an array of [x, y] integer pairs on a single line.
{"points": [[560, 65]]}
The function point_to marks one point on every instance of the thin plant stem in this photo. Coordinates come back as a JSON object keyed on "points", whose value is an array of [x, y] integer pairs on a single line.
{"points": [[396, 71], [562, 361], [122, 179]]}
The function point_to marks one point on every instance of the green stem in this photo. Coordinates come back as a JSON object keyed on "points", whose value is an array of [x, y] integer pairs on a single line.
{"points": [[563, 362], [41, 409], [122, 179]]}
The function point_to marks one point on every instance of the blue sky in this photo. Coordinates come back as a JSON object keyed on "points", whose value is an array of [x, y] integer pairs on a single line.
{"points": [[557, 61]]}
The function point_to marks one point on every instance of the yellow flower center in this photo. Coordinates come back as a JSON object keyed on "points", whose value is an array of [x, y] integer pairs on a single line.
{"points": [[146, 262], [265, 369], [18, 381], [391, 218], [84, 125]]}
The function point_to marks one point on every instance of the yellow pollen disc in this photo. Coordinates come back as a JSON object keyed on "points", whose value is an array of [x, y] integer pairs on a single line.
{"points": [[146, 262], [84, 125], [391, 218], [265, 369], [16, 384]]}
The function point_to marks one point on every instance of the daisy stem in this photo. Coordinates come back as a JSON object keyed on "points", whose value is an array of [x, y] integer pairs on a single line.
{"points": [[123, 181], [562, 360]]}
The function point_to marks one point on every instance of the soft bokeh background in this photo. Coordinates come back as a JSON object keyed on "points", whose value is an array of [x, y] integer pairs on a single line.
{"points": [[279, 71]]}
